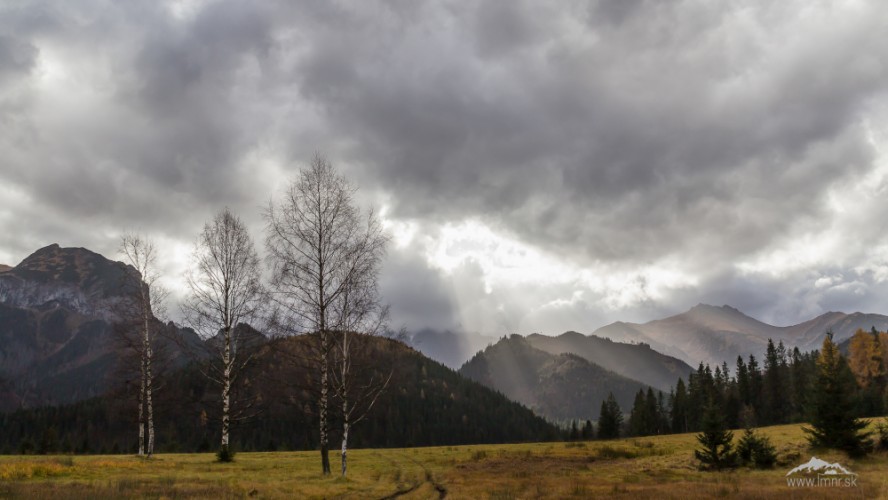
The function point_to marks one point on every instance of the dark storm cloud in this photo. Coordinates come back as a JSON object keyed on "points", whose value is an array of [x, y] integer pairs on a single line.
{"points": [[150, 128], [662, 124], [16, 57], [419, 297], [608, 132]]}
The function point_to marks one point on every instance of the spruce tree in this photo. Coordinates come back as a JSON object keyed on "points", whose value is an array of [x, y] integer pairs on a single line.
{"points": [[715, 439], [663, 423], [637, 415], [833, 424], [774, 407], [755, 384], [799, 379], [764, 455], [651, 413], [756, 449], [743, 381], [679, 408], [610, 419], [587, 432], [745, 446]]}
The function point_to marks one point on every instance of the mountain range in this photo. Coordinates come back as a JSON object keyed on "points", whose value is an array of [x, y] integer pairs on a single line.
{"points": [[59, 318], [635, 361], [705, 333], [567, 377], [557, 386], [713, 335]]}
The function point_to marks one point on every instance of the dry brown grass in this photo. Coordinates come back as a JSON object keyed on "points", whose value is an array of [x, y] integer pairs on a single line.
{"points": [[656, 467]]}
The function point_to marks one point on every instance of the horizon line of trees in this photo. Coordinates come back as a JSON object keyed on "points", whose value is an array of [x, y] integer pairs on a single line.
{"points": [[784, 387], [781, 389]]}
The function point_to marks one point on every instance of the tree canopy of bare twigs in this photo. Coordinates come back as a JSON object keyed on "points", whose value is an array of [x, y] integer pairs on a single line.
{"points": [[325, 255], [226, 291]]}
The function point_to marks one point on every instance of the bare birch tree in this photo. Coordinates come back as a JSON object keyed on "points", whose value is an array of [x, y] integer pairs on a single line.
{"points": [[226, 291], [140, 317], [325, 258], [359, 316], [356, 387]]}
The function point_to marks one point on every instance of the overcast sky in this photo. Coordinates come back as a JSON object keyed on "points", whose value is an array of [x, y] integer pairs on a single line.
{"points": [[541, 166]]}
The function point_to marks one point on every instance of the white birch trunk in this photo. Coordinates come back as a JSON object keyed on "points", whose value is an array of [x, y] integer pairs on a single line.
{"points": [[322, 410], [141, 427], [344, 437], [344, 395], [226, 290], [146, 378], [139, 253], [150, 403], [142, 407], [226, 389]]}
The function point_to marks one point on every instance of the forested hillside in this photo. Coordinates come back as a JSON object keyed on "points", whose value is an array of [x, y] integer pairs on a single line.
{"points": [[425, 403], [558, 386]]}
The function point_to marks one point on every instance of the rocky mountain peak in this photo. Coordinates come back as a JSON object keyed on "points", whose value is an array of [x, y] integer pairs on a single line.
{"points": [[77, 266], [75, 278]]}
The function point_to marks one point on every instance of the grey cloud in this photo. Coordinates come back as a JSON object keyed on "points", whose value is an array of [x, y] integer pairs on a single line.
{"points": [[614, 12], [171, 134], [16, 57], [639, 125], [792, 298], [419, 297]]}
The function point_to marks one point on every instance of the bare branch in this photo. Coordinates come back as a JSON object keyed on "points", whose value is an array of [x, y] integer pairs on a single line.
{"points": [[226, 295], [325, 257]]}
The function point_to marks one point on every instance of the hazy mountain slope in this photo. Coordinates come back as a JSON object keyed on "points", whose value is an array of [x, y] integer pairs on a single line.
{"points": [[448, 347], [809, 335], [715, 334], [636, 361], [558, 386], [56, 326]]}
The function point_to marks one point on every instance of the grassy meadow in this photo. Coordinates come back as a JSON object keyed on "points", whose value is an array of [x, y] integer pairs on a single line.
{"points": [[660, 467]]}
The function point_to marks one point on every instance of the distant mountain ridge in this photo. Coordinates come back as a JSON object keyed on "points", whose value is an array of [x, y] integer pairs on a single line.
{"points": [[714, 335], [448, 347], [635, 361], [704, 333], [557, 386]]}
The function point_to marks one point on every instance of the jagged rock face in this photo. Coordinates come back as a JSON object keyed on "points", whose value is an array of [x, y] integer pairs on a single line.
{"points": [[56, 315], [73, 278]]}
